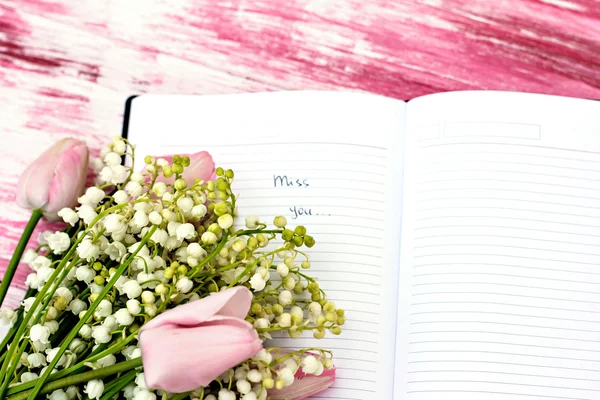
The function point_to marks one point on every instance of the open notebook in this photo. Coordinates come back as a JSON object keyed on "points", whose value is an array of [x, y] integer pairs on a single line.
{"points": [[460, 230]]}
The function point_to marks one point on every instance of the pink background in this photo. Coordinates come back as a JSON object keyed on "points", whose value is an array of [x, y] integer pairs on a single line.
{"points": [[66, 67]]}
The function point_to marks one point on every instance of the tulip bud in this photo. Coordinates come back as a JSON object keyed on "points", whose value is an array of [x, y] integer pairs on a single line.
{"points": [[55, 179]]}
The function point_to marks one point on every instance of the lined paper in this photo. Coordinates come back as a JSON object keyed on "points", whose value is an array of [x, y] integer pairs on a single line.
{"points": [[334, 154], [499, 281]]}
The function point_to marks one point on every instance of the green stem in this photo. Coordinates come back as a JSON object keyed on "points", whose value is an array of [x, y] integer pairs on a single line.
{"points": [[252, 231], [80, 378], [180, 396], [14, 328], [216, 250], [119, 385], [77, 367], [88, 314], [16, 257]]}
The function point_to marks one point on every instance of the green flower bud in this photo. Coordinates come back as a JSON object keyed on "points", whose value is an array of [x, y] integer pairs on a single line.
{"points": [[177, 168], [219, 171], [215, 228], [252, 243], [277, 309], [298, 241], [180, 184], [222, 184], [97, 266], [185, 161], [336, 330], [256, 308], [98, 280], [221, 208], [341, 320], [280, 221], [268, 383], [331, 317], [167, 171], [176, 159], [287, 235], [229, 174], [211, 196], [182, 270], [148, 159], [161, 289], [300, 230], [213, 287], [299, 288], [297, 319], [210, 185], [169, 272], [318, 333], [329, 307], [315, 296], [305, 264], [289, 261], [223, 195], [340, 312], [309, 241], [93, 297], [313, 287], [294, 332], [321, 320]]}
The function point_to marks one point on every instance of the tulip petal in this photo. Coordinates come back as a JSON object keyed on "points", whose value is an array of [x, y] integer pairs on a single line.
{"points": [[234, 302], [180, 359], [201, 167], [38, 186], [69, 178], [304, 386]]}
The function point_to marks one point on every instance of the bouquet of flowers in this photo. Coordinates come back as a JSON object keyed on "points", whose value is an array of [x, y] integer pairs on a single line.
{"points": [[152, 289]]}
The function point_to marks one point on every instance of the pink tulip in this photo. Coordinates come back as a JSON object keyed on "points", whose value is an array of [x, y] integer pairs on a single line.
{"points": [[190, 345], [201, 167], [55, 179], [304, 386]]}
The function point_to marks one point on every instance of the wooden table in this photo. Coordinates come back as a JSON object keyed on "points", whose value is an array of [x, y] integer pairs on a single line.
{"points": [[66, 66]]}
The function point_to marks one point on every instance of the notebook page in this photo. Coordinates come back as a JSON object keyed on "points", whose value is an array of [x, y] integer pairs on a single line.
{"points": [[500, 285], [323, 160]]}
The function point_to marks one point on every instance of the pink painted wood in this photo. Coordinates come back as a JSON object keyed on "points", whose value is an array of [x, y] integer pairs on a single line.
{"points": [[66, 67]]}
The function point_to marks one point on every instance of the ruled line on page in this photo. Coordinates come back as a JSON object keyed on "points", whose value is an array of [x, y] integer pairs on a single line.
{"points": [[507, 353], [509, 295], [503, 304], [506, 275], [512, 144], [427, 182], [506, 199], [453, 162], [492, 392], [516, 172], [498, 237], [512, 154], [506, 190], [504, 284], [500, 383], [502, 363], [282, 143], [505, 373], [504, 343], [418, 219], [504, 333], [506, 209], [502, 313], [507, 324], [505, 255], [487, 264], [421, 228]]}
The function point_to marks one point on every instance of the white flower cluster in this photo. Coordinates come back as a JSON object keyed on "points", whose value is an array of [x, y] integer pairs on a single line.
{"points": [[140, 243]]}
